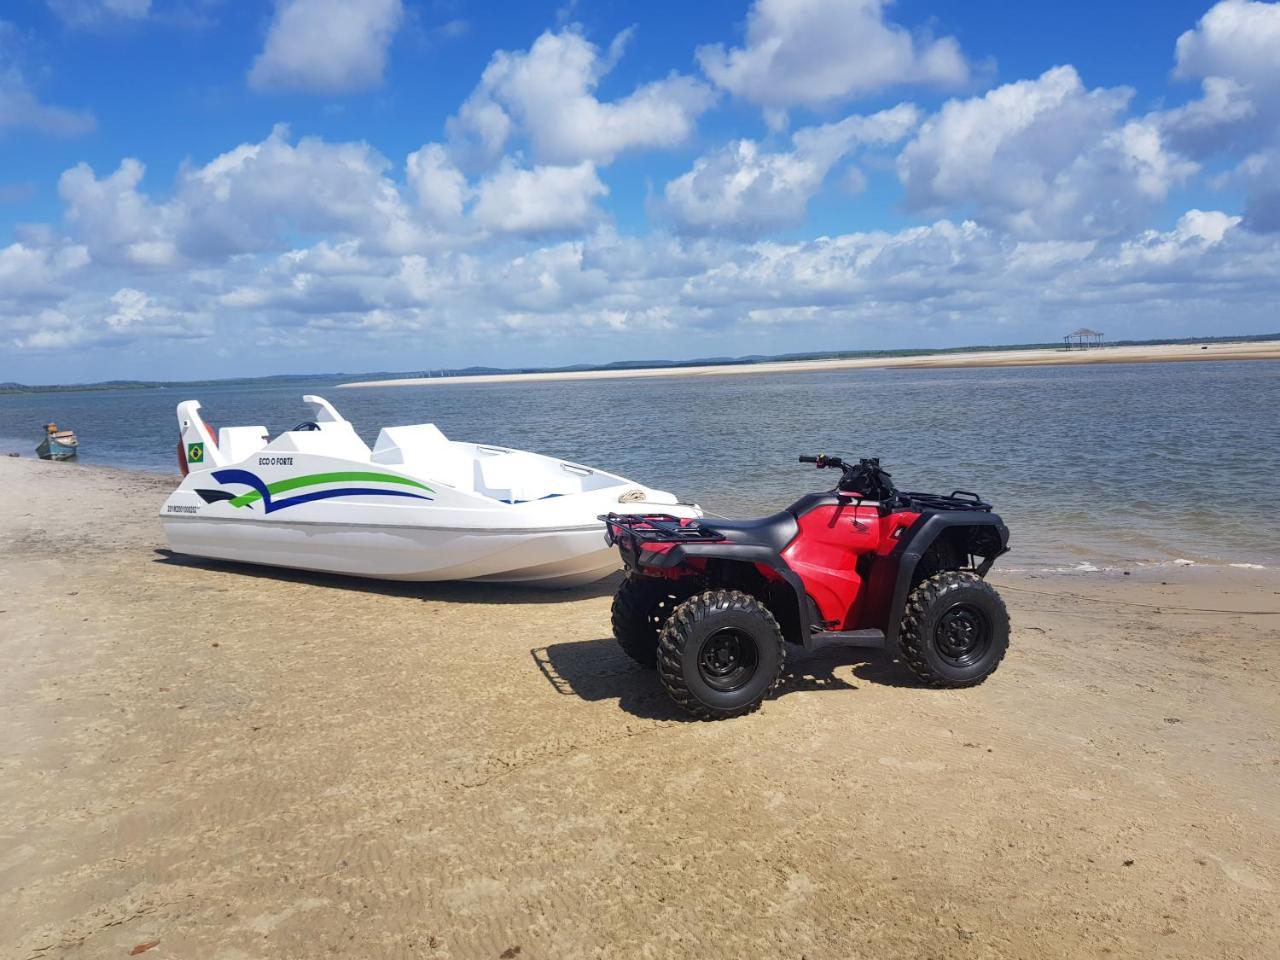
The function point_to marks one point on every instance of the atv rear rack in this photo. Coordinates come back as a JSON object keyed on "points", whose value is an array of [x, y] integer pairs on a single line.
{"points": [[655, 528], [631, 532]]}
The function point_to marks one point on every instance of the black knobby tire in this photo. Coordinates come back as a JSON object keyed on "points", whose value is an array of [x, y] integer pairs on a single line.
{"points": [[640, 608], [955, 630], [720, 654]]}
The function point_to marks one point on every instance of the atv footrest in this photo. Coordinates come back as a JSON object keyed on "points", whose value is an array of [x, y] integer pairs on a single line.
{"points": [[849, 638]]}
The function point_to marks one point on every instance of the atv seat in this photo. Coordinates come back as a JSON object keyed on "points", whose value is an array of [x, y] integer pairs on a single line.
{"points": [[774, 531]]}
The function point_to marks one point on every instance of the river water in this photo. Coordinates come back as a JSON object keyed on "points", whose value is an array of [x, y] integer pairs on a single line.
{"points": [[1103, 465]]}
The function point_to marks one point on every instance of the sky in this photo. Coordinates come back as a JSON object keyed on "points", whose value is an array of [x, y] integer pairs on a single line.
{"points": [[220, 188]]}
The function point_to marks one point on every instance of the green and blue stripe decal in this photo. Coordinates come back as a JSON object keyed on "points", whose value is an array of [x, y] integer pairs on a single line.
{"points": [[267, 492]]}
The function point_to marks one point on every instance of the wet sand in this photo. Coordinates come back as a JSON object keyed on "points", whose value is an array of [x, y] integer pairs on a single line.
{"points": [[1160, 353], [234, 763]]}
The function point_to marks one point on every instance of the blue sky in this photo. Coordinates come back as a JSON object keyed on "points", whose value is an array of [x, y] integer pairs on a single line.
{"points": [[215, 188]]}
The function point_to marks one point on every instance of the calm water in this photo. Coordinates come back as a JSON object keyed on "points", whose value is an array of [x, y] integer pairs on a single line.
{"points": [[1100, 464]]}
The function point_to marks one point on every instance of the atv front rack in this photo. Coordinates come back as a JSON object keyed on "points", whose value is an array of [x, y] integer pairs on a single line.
{"points": [[958, 500]]}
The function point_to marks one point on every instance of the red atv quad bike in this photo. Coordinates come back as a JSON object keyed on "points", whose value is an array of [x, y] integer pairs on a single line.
{"points": [[714, 603]]}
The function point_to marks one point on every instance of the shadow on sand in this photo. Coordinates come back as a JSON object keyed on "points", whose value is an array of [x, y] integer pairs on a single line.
{"points": [[451, 592], [598, 670]]}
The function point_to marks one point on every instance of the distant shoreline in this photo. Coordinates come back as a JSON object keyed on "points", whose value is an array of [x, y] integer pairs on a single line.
{"points": [[1157, 353]]}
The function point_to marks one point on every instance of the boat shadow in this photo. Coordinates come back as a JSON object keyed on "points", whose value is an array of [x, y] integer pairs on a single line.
{"points": [[450, 591], [595, 670]]}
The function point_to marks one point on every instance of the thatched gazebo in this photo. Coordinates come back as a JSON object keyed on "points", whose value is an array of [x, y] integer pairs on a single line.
{"points": [[1082, 339]]}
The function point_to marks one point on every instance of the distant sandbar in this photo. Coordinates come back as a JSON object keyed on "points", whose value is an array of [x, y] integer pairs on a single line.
{"points": [[1160, 353]]}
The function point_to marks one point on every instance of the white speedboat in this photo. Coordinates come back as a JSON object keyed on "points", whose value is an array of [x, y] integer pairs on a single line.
{"points": [[418, 506]]}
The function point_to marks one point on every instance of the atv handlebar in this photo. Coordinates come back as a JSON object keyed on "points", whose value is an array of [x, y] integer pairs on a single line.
{"points": [[864, 479], [822, 460]]}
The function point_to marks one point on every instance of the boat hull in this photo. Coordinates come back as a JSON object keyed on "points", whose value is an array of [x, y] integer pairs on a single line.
{"points": [[554, 558], [51, 449], [415, 506]]}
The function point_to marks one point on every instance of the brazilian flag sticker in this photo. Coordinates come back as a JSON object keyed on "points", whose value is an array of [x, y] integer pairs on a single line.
{"points": [[195, 453]]}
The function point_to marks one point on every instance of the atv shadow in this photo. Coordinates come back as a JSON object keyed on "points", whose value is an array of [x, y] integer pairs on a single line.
{"points": [[449, 591], [596, 670]]}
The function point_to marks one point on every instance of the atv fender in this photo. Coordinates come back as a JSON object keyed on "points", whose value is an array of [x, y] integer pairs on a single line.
{"points": [[915, 543], [751, 555]]}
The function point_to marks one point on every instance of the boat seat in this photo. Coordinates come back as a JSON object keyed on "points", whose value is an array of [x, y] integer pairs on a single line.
{"points": [[774, 531], [519, 477], [332, 439], [238, 443], [425, 452]]}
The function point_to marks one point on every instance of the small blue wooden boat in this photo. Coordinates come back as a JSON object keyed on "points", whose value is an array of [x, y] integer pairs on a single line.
{"points": [[57, 444]]}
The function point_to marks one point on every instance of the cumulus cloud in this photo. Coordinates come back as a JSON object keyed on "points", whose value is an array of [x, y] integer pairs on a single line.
{"points": [[118, 223], [253, 194], [817, 52], [1038, 197], [741, 188], [1233, 52], [326, 46], [547, 93], [36, 271], [540, 200], [243, 201], [1043, 157], [440, 186]]}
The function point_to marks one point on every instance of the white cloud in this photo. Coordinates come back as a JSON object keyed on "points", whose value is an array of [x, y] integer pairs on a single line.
{"points": [[1043, 157], [548, 93], [817, 52], [441, 187], [326, 46], [116, 222], [243, 201], [539, 200], [961, 281], [950, 275], [324, 253], [1236, 38], [740, 188], [36, 271], [125, 317], [1233, 52], [246, 198]]}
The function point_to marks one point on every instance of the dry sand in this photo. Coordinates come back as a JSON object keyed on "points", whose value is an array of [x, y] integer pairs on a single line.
{"points": [[1161, 353], [239, 764]]}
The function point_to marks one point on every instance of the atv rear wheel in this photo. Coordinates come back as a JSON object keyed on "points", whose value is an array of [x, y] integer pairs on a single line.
{"points": [[640, 608], [955, 630], [720, 654]]}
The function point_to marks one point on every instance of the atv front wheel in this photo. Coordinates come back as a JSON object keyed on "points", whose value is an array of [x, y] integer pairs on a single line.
{"points": [[720, 654], [640, 608], [955, 630]]}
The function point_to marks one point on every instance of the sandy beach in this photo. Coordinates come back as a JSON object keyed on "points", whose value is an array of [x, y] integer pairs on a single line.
{"points": [[215, 761], [1160, 353]]}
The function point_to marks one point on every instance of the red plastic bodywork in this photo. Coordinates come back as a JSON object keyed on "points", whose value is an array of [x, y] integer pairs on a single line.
{"points": [[826, 553]]}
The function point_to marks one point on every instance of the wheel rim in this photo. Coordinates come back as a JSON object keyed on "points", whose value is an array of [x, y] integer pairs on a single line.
{"points": [[727, 659], [963, 635]]}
